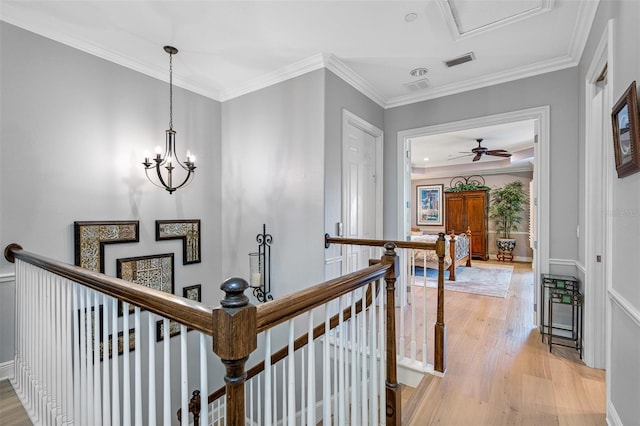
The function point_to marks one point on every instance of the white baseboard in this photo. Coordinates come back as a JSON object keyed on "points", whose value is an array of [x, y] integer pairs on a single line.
{"points": [[6, 370], [612, 418]]}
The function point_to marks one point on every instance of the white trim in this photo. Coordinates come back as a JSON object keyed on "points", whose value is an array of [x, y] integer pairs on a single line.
{"points": [[5, 278], [541, 171], [586, 15], [612, 418], [7, 370], [562, 262], [332, 260], [596, 180], [339, 68], [580, 267], [625, 305]]}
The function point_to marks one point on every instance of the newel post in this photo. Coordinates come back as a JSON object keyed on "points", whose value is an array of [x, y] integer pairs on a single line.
{"points": [[234, 338], [440, 358], [392, 392]]}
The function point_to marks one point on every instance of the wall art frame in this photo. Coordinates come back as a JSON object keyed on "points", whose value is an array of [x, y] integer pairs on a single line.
{"points": [[187, 230], [626, 132], [429, 205], [90, 238], [154, 271], [193, 292]]}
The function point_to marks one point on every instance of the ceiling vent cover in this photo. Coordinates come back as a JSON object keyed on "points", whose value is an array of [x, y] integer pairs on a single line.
{"points": [[417, 85], [467, 57]]}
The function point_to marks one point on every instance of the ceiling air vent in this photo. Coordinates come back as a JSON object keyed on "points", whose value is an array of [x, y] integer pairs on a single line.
{"points": [[417, 85], [467, 57]]}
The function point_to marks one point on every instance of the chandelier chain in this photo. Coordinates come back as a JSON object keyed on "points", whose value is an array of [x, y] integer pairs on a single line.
{"points": [[170, 91]]}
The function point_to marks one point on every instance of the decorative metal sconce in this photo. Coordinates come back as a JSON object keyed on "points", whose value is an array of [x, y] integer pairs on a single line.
{"points": [[260, 267], [170, 156]]}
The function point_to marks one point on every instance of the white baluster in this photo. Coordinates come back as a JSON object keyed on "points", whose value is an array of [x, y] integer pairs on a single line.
{"points": [[284, 392], [382, 348], [184, 377], [126, 370], [362, 318], [96, 325], [88, 329], [115, 364], [166, 412], [326, 368], [311, 388], [204, 386], [151, 330], [354, 359], [341, 379], [413, 319], [424, 325], [373, 394], [303, 415], [137, 366], [291, 382], [106, 394], [267, 378]]}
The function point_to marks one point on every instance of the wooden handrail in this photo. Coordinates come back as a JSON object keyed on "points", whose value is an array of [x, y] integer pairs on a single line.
{"points": [[193, 314], [420, 245], [284, 308]]}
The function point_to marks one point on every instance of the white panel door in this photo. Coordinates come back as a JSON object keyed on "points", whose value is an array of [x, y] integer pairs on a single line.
{"points": [[362, 215]]}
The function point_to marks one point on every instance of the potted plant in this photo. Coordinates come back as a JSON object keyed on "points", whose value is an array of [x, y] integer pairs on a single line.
{"points": [[505, 210]]}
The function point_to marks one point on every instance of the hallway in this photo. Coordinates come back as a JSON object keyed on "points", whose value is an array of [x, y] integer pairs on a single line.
{"points": [[500, 373]]}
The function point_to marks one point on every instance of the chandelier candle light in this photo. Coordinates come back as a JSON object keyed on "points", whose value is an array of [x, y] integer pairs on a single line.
{"points": [[166, 161]]}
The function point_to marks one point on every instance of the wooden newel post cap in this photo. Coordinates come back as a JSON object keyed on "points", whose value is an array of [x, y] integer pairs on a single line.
{"points": [[235, 327], [234, 293], [8, 254], [390, 249]]}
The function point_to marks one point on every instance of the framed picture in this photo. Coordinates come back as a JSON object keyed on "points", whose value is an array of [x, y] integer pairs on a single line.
{"points": [[192, 293], [174, 330], [429, 205], [155, 271], [90, 238], [626, 128], [186, 230]]}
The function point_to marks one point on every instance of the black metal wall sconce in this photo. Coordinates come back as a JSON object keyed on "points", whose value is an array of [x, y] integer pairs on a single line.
{"points": [[260, 267]]}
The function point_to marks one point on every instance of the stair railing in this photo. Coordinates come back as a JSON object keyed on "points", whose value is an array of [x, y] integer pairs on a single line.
{"points": [[409, 357]]}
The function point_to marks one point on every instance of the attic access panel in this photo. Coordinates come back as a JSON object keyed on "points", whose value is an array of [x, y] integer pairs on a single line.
{"points": [[467, 17]]}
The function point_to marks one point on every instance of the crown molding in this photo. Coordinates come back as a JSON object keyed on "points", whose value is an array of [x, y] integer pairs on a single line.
{"points": [[48, 30], [339, 68], [492, 80], [296, 69], [586, 15]]}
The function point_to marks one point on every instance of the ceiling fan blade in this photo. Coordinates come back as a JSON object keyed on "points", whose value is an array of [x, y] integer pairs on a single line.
{"points": [[459, 156], [477, 157], [498, 154], [498, 150]]}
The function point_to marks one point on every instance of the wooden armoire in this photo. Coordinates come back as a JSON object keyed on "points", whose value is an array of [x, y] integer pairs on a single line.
{"points": [[469, 209]]}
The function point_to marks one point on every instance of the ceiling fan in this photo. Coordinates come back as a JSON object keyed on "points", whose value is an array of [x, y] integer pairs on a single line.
{"points": [[480, 150]]}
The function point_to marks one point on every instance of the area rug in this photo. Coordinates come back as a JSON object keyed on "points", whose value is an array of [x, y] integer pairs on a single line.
{"points": [[487, 280]]}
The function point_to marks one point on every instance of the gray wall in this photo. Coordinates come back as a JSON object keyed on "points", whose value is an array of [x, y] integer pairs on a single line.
{"points": [[623, 291], [74, 131], [558, 89], [273, 174]]}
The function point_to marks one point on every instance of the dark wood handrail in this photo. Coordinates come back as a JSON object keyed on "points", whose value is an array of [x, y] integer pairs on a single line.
{"points": [[420, 245], [192, 314], [300, 342], [284, 308]]}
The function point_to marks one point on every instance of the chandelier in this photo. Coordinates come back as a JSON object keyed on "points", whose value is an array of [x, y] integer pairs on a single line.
{"points": [[164, 164]]}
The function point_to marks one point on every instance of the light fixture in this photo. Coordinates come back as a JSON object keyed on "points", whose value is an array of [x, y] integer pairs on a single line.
{"points": [[260, 267], [170, 156], [418, 72]]}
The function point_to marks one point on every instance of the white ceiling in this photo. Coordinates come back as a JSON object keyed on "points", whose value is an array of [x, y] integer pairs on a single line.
{"points": [[229, 48]]}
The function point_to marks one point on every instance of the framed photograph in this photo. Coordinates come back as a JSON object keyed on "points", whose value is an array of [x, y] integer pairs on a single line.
{"points": [[429, 205], [186, 230], [626, 128], [192, 293], [155, 271]]}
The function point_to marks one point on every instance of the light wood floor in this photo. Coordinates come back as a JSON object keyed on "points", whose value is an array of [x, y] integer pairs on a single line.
{"points": [[500, 373], [11, 411]]}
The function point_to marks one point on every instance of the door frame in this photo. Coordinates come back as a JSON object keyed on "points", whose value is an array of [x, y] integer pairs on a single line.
{"points": [[599, 172], [353, 120], [541, 176]]}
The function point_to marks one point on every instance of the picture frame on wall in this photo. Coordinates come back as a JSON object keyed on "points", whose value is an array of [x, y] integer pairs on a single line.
{"points": [[193, 292], [626, 128], [429, 206]]}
